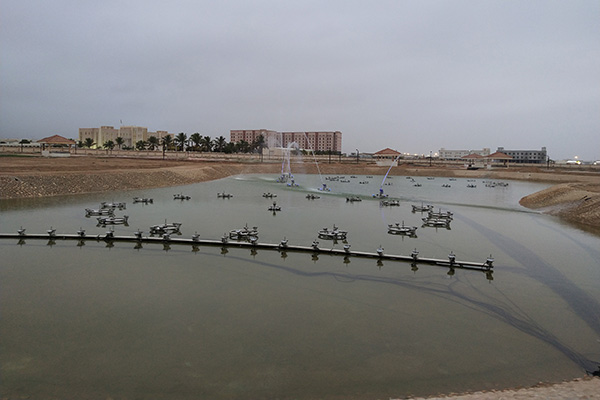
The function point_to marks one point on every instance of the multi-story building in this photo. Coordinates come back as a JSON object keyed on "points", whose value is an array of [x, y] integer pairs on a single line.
{"points": [[317, 140], [526, 156], [458, 154], [130, 134], [272, 138]]}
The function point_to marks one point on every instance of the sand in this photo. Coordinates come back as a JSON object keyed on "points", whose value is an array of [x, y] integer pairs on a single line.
{"points": [[585, 388], [574, 202]]}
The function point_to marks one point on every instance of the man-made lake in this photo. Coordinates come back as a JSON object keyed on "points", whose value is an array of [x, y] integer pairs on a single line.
{"points": [[99, 320]]}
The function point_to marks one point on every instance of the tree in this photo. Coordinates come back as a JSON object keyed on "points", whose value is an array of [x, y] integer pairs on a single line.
{"points": [[89, 142], [219, 144], [196, 139], [119, 141], [181, 140], [109, 145], [167, 142], [23, 142], [206, 143], [259, 143], [242, 146], [153, 142], [140, 145], [229, 148]]}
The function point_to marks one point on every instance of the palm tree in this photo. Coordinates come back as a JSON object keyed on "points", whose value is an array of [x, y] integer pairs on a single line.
{"points": [[153, 142], [206, 143], [242, 146], [109, 145], [119, 141], [140, 145], [219, 144], [89, 142], [229, 148], [181, 140], [196, 139], [259, 143], [167, 142]]}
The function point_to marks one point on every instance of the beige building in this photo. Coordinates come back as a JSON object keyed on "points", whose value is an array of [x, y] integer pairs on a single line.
{"points": [[272, 138], [318, 140], [130, 134], [446, 154]]}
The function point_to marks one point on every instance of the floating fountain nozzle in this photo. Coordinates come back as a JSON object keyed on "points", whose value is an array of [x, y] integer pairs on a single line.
{"points": [[452, 258], [414, 254]]}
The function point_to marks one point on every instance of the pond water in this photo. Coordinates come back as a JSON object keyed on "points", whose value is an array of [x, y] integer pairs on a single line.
{"points": [[123, 321]]}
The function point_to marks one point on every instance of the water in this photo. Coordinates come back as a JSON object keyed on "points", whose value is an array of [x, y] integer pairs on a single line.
{"points": [[94, 321]]}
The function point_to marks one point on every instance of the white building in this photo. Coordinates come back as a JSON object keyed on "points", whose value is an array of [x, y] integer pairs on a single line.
{"points": [[458, 154]]}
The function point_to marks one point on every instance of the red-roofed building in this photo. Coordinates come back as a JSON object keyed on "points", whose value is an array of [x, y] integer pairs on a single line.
{"points": [[386, 157], [473, 160], [499, 157], [56, 146], [56, 140]]}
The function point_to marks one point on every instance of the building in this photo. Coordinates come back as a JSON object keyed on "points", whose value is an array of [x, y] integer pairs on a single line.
{"points": [[272, 138], [526, 156], [56, 146], [387, 157], [130, 134], [458, 154], [317, 140]]}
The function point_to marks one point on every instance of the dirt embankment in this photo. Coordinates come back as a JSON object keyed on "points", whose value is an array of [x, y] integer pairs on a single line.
{"points": [[39, 177], [575, 202]]}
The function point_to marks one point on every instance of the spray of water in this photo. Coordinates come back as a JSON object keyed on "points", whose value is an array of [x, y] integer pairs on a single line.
{"points": [[389, 169], [315, 159]]}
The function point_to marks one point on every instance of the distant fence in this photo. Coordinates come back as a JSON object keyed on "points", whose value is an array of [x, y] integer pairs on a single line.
{"points": [[268, 157], [18, 149]]}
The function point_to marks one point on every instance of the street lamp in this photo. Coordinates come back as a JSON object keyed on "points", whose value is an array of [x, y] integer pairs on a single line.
{"points": [[357, 156], [430, 158]]}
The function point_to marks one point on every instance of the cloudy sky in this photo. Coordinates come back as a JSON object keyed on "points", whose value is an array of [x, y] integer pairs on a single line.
{"points": [[413, 75]]}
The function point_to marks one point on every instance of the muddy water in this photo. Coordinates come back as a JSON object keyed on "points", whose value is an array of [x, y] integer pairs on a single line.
{"points": [[100, 320]]}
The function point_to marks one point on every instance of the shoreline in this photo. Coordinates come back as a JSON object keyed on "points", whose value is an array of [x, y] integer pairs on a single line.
{"points": [[580, 388], [574, 196]]}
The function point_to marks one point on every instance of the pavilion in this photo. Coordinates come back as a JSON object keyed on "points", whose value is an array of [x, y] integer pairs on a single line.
{"points": [[56, 146], [386, 157]]}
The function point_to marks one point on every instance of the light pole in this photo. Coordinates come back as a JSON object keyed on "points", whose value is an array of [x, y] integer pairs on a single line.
{"points": [[430, 158], [357, 156]]}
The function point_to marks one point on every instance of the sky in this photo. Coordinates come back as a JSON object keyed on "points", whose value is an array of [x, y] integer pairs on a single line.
{"points": [[412, 75]]}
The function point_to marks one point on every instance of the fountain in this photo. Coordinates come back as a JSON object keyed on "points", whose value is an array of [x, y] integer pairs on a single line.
{"points": [[381, 195]]}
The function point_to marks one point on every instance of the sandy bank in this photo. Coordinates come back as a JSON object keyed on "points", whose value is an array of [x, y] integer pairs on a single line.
{"points": [[574, 202], [39, 177], [586, 388]]}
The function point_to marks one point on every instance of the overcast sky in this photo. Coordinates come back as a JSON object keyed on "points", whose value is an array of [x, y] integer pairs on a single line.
{"points": [[415, 76]]}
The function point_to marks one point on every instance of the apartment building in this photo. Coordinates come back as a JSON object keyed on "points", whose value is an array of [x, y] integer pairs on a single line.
{"points": [[526, 156], [315, 140], [272, 138], [130, 134], [445, 154]]}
